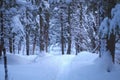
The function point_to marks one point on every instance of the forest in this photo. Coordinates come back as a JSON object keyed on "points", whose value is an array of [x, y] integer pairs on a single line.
{"points": [[34, 29]]}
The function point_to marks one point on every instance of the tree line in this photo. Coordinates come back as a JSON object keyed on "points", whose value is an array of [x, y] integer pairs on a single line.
{"points": [[31, 25]]}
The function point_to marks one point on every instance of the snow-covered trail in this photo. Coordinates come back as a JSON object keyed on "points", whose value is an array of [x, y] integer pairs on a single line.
{"points": [[43, 68], [64, 67], [60, 67], [68, 70]]}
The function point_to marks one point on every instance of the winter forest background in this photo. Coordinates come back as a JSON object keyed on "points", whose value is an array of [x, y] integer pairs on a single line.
{"points": [[60, 27]]}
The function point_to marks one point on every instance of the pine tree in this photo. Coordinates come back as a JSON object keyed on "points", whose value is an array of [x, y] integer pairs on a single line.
{"points": [[110, 37], [107, 34]]}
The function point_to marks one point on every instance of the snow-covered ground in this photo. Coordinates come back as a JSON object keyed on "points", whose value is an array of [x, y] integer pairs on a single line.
{"points": [[85, 66]]}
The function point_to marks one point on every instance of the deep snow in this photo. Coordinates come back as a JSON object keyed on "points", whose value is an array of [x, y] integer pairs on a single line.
{"points": [[85, 66]]}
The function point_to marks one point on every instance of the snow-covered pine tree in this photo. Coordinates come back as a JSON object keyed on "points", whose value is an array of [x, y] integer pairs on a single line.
{"points": [[109, 28]]}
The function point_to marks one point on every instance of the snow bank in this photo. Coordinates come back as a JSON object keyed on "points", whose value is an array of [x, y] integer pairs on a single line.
{"points": [[15, 60], [105, 62], [84, 66], [86, 57], [87, 66]]}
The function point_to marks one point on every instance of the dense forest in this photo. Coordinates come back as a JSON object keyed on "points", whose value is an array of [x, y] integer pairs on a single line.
{"points": [[30, 25], [35, 27]]}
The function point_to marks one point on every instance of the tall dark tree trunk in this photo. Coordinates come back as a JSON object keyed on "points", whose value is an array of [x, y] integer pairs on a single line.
{"points": [[1, 32], [62, 36], [46, 31], [27, 33], [5, 64], [19, 46], [13, 43], [10, 45], [77, 47], [69, 31], [42, 45], [27, 40], [34, 43], [2, 48], [27, 44], [111, 45], [46, 37]]}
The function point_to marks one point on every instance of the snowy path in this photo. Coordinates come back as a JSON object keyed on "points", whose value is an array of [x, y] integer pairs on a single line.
{"points": [[64, 68], [61, 67], [72, 65]]}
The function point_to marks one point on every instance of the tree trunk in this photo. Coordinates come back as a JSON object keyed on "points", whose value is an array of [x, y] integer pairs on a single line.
{"points": [[69, 32], [2, 31], [27, 40], [110, 40], [13, 43], [19, 46], [46, 37], [5, 64], [10, 45], [34, 43], [1, 48], [111, 45], [27, 32], [78, 38], [46, 31], [41, 34], [62, 36], [77, 47], [27, 44]]}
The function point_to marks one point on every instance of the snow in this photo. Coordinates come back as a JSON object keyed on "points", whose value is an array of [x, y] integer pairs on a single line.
{"points": [[17, 24], [106, 61], [57, 1], [21, 2], [84, 66], [15, 60], [46, 4], [103, 30], [67, 1], [115, 22]]}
